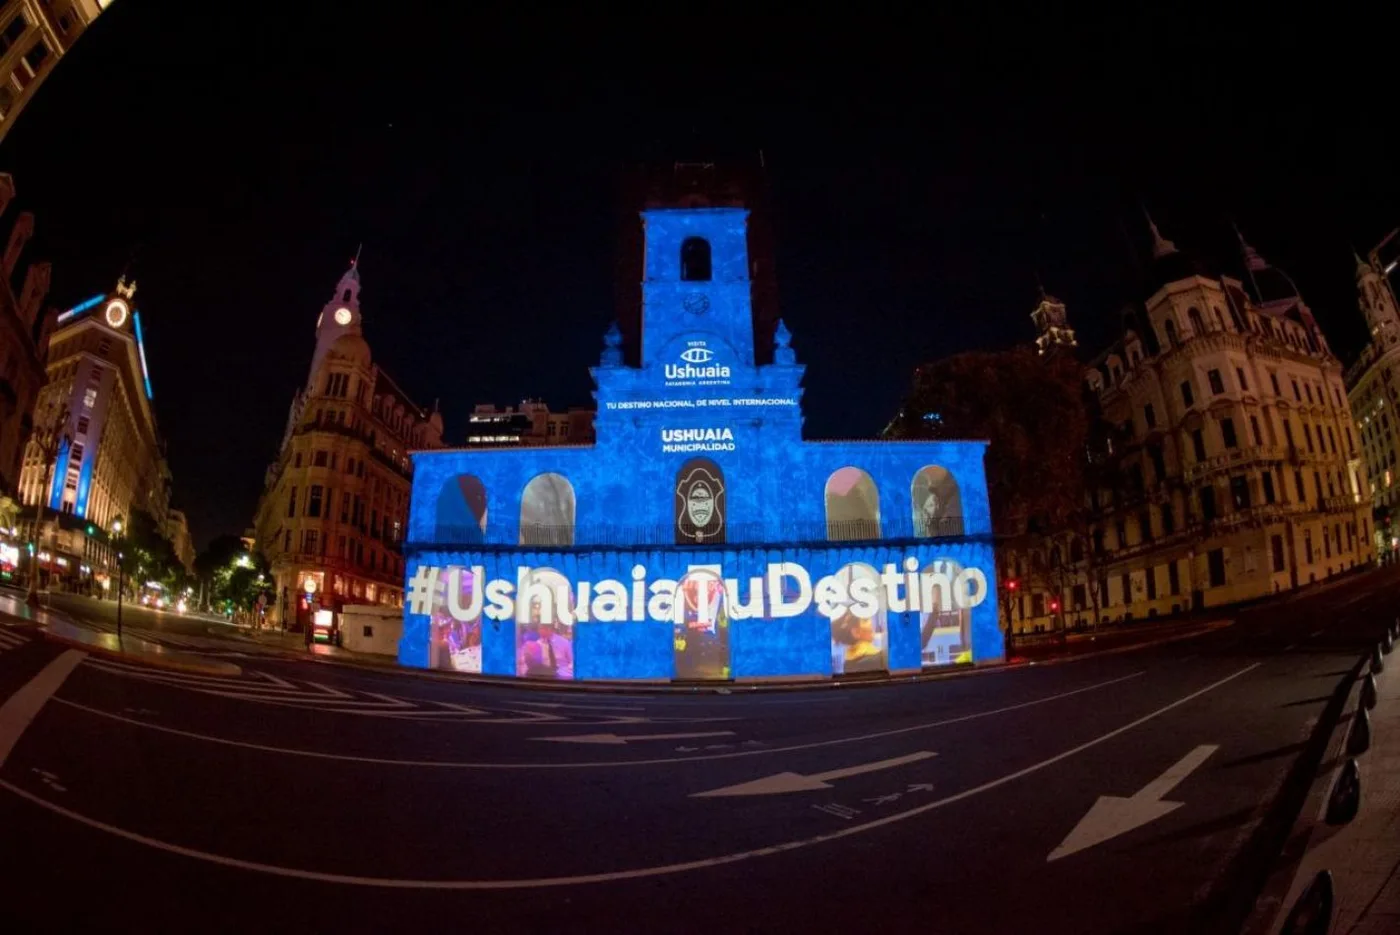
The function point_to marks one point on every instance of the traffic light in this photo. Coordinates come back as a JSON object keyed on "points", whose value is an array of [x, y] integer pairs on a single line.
{"points": [[91, 529], [1055, 606], [1012, 585]]}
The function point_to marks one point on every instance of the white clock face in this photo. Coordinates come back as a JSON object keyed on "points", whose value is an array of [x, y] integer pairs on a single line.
{"points": [[116, 313], [342, 316]]}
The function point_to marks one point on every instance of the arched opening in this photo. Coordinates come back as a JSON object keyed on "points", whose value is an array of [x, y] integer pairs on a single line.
{"points": [[1198, 327], [701, 619], [700, 507], [1076, 550], [345, 297], [859, 635], [1169, 326], [544, 642], [937, 504], [461, 510], [1219, 319], [695, 260], [547, 511], [945, 634], [852, 506]]}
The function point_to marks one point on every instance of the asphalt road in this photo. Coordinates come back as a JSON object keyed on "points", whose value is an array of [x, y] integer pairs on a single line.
{"points": [[304, 796]]}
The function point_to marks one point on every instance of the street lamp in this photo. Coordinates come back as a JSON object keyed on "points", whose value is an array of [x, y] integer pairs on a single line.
{"points": [[117, 533]]}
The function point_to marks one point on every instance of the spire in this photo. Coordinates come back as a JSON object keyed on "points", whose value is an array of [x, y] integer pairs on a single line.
{"points": [[1252, 260], [1160, 245]]}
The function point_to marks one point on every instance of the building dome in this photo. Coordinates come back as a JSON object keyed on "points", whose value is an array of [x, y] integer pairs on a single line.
{"points": [[351, 347]]}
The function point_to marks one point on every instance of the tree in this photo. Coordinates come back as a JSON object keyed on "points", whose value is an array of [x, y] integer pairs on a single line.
{"points": [[1032, 411], [50, 436], [231, 574], [150, 556]]}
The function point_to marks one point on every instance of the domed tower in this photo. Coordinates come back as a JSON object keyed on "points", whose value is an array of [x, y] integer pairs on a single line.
{"points": [[1052, 325], [339, 317], [1377, 301]]}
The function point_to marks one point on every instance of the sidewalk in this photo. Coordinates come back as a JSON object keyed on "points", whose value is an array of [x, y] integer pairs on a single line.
{"points": [[1363, 855]]}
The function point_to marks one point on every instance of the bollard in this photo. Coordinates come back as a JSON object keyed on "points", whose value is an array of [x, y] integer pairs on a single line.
{"points": [[1387, 644], [1368, 692], [1359, 740], [1312, 913], [1377, 663], [1345, 800]]}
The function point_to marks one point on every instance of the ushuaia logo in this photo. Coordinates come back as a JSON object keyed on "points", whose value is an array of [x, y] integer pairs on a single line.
{"points": [[683, 440], [698, 355], [692, 372], [697, 366]]}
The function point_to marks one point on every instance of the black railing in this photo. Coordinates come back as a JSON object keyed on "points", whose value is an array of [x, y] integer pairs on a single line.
{"points": [[562, 536]]}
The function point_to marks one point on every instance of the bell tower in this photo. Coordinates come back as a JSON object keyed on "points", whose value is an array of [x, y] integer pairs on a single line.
{"points": [[341, 315], [1052, 325]]}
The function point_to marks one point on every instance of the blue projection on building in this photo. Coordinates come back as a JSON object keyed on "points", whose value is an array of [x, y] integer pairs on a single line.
{"points": [[701, 537]]}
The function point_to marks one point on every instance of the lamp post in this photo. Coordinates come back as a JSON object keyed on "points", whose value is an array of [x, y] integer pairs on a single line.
{"points": [[121, 580]]}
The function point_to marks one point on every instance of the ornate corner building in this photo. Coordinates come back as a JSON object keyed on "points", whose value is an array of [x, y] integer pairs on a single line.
{"points": [[1237, 466], [108, 457], [1374, 395], [334, 509], [34, 35]]}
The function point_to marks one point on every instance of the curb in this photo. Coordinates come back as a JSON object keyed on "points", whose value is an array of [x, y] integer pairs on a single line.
{"points": [[145, 659], [733, 688]]}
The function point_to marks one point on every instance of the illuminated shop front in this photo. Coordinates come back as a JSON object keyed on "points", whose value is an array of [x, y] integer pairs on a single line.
{"points": [[700, 537]]}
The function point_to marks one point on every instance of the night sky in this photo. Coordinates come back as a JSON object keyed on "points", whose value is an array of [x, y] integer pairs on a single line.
{"points": [[922, 174]]}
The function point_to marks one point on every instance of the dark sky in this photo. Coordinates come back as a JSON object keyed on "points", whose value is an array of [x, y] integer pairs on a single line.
{"points": [[922, 171]]}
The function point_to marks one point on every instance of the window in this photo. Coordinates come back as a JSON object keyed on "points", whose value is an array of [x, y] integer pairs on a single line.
{"points": [[1307, 436], [1254, 430], [1331, 440], [1207, 495], [1121, 527], [1297, 396], [1170, 327], [1151, 582], [313, 501], [695, 260], [320, 459], [1239, 492], [1298, 486], [1037, 605], [1307, 390], [90, 398], [1244, 384], [34, 59], [1198, 444], [1307, 546], [104, 346], [1127, 588], [292, 503], [1351, 442], [1198, 327], [1159, 462], [1317, 485], [310, 541], [1217, 385], [1149, 415], [1187, 398], [1215, 561], [1227, 433], [1288, 431], [345, 507], [1168, 520], [296, 459], [1276, 547], [83, 425], [1273, 378], [1173, 578], [1145, 526], [1268, 483], [936, 502], [287, 542], [12, 33]]}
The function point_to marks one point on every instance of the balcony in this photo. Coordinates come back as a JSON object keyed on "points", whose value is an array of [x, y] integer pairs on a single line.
{"points": [[1235, 457]]}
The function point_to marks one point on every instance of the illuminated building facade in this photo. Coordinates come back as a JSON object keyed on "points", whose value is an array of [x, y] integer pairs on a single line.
{"points": [[1236, 464], [531, 423], [1374, 395], [334, 509], [700, 536], [24, 335], [111, 458], [34, 35]]}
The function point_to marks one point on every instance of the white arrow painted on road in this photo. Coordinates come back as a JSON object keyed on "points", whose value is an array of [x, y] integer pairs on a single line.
{"points": [[629, 738], [1113, 815], [793, 782]]}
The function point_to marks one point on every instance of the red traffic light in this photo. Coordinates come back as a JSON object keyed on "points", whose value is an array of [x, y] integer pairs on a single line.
{"points": [[1012, 585], [1054, 605]]}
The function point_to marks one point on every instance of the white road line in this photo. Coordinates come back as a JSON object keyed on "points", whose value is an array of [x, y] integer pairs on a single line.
{"points": [[20, 708], [608, 764], [613, 876]]}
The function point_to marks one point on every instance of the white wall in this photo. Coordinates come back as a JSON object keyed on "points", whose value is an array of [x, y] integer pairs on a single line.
{"points": [[384, 626]]}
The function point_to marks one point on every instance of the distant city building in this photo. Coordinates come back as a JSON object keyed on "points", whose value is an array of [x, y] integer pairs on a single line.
{"points": [[110, 457], [1237, 467], [334, 509], [178, 532], [24, 334], [1374, 396], [531, 423], [34, 35]]}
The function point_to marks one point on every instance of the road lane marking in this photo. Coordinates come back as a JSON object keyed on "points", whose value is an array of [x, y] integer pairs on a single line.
{"points": [[616, 875], [451, 764], [780, 783], [618, 739], [1112, 815], [20, 708]]}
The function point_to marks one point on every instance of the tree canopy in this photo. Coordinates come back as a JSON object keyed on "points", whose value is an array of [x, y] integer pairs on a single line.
{"points": [[1031, 409]]}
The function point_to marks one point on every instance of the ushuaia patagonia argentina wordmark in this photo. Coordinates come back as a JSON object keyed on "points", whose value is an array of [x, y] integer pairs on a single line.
{"points": [[701, 537]]}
